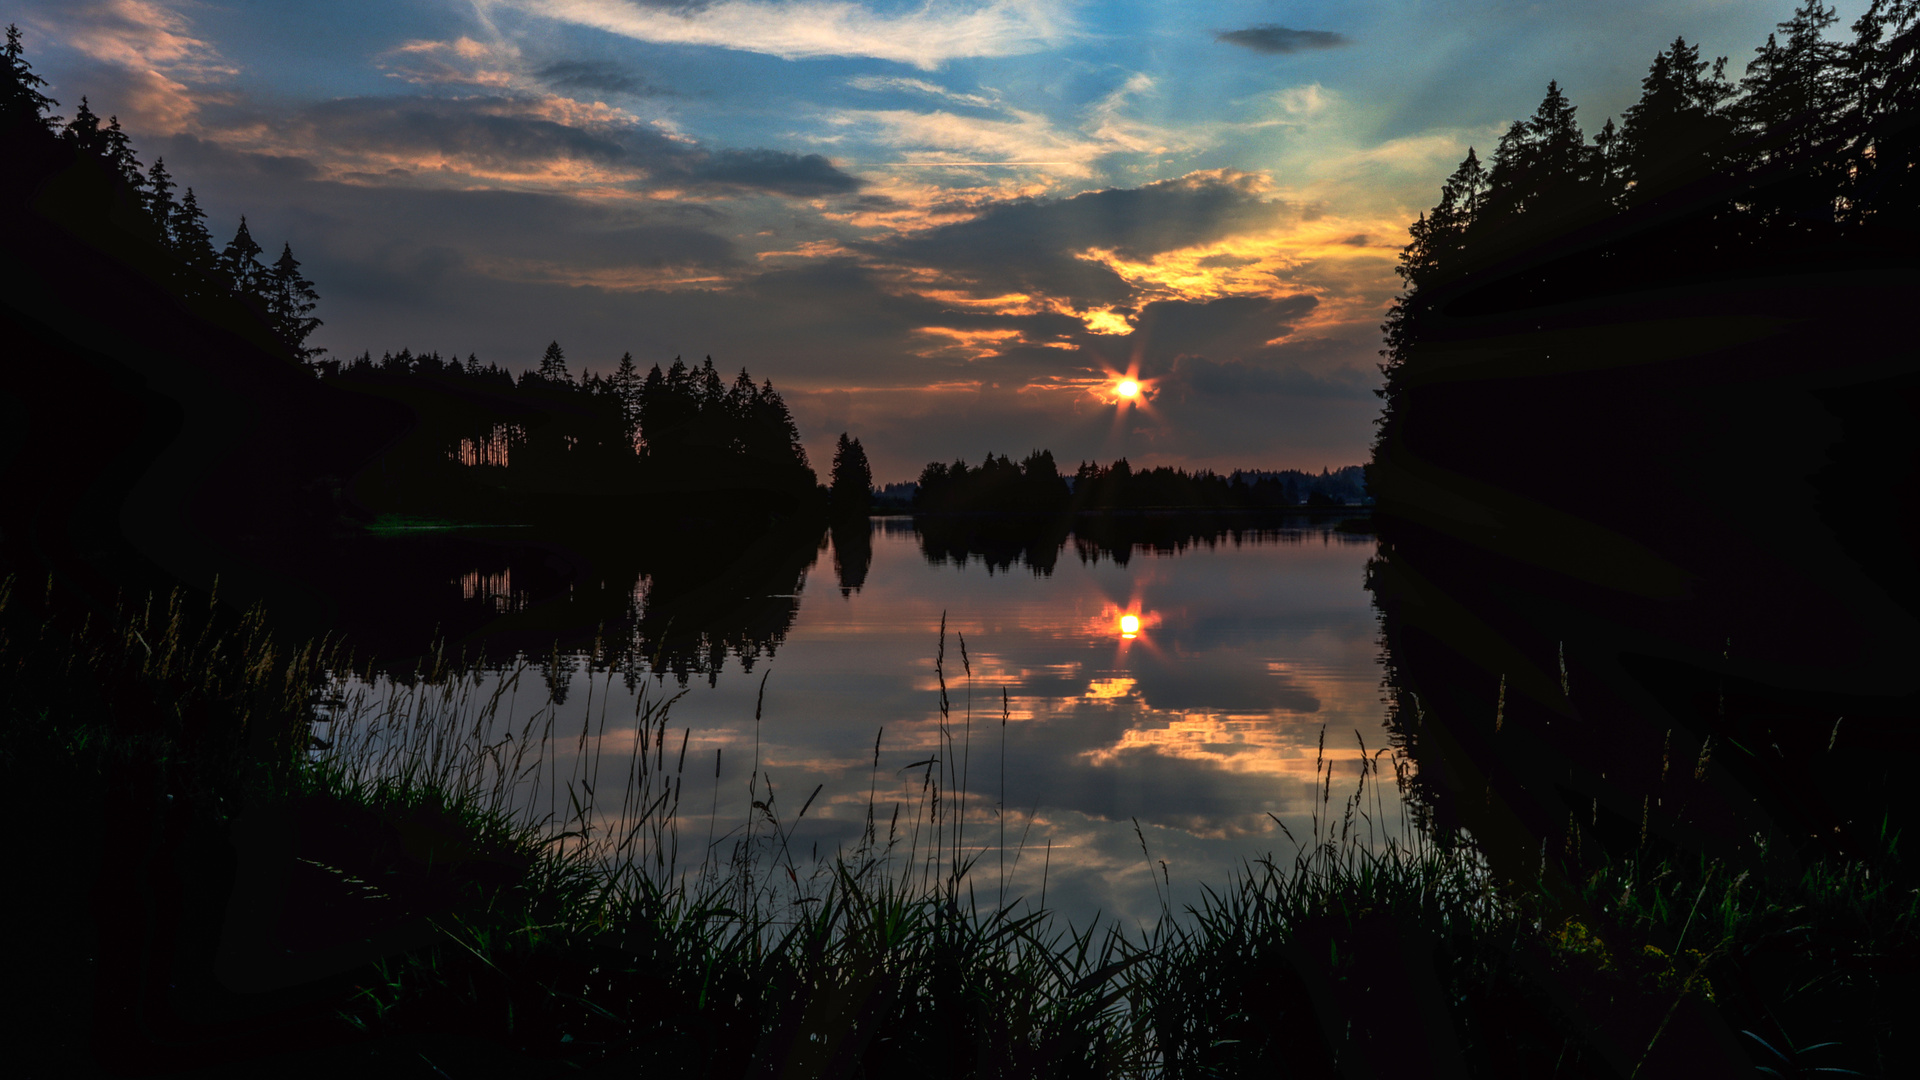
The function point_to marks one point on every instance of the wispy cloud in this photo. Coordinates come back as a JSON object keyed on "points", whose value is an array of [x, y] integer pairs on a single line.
{"points": [[460, 62], [925, 37], [1268, 38], [944, 138], [1011, 136], [883, 84], [149, 46]]}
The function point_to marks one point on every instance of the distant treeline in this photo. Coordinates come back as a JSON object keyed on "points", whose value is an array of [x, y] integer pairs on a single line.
{"points": [[171, 421], [483, 432], [1036, 485]]}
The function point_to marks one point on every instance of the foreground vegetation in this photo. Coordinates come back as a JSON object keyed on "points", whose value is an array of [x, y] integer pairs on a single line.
{"points": [[247, 866]]}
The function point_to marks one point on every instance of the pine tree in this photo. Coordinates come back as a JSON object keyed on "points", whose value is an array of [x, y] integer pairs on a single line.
{"points": [[193, 244], [1677, 131], [1883, 95], [84, 129], [1789, 114], [160, 203], [652, 407], [553, 366], [240, 262], [771, 416], [20, 98], [852, 478], [626, 384], [290, 300], [118, 150]]}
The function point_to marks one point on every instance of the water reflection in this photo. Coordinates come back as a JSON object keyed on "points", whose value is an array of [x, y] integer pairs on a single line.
{"points": [[1180, 680]]}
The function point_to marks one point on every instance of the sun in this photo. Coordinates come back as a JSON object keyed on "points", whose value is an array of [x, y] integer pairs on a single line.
{"points": [[1127, 388]]}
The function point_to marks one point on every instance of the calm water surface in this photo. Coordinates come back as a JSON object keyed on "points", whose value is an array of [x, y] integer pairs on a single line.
{"points": [[1202, 725]]}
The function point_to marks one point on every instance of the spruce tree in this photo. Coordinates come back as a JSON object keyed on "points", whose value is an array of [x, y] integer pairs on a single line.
{"points": [[652, 408], [118, 150], [161, 206], [852, 478], [240, 262], [1883, 98], [84, 129], [193, 244], [1677, 131], [20, 98], [1787, 114], [290, 300], [553, 366], [626, 384]]}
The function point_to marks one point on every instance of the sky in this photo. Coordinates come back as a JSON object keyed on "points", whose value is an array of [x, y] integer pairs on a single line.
{"points": [[946, 227]]}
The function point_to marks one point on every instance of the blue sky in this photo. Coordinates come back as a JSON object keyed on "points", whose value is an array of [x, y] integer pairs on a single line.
{"points": [[943, 226]]}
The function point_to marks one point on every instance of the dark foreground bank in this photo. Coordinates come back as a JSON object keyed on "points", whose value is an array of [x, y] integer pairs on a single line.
{"points": [[232, 875]]}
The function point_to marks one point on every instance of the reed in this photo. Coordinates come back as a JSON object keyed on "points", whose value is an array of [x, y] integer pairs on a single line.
{"points": [[576, 927], [865, 962]]}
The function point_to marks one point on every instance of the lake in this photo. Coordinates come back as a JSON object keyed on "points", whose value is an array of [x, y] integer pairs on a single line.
{"points": [[1151, 682]]}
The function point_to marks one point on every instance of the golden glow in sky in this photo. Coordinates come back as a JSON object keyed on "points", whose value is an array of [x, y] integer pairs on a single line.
{"points": [[1127, 388]]}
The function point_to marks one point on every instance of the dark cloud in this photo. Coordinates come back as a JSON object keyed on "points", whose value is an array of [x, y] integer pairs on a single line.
{"points": [[1231, 327], [1268, 38], [511, 132], [1031, 245], [490, 132], [603, 76], [776, 171], [1239, 379]]}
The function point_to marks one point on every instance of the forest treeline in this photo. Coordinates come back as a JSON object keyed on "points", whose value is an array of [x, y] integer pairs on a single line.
{"points": [[211, 348], [484, 435], [1615, 362], [1036, 485], [1811, 159], [195, 269]]}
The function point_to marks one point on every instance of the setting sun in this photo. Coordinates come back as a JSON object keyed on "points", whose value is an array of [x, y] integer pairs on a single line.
{"points": [[1129, 624], [1127, 388]]}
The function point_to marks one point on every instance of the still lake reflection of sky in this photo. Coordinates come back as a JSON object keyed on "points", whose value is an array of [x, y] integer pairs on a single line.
{"points": [[1186, 690]]}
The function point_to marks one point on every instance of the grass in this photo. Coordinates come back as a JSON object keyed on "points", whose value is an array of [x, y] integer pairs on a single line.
{"points": [[445, 880]]}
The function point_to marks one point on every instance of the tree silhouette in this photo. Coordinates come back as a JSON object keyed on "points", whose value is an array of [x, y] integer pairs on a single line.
{"points": [[291, 299], [627, 385], [553, 366], [198, 263], [240, 262], [852, 478], [84, 129], [118, 150], [20, 98], [1676, 132], [161, 206]]}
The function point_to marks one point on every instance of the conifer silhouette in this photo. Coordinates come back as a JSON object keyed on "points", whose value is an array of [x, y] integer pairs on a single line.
{"points": [[161, 206], [291, 299], [198, 262], [553, 366], [852, 485], [240, 262], [20, 98], [84, 129]]}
